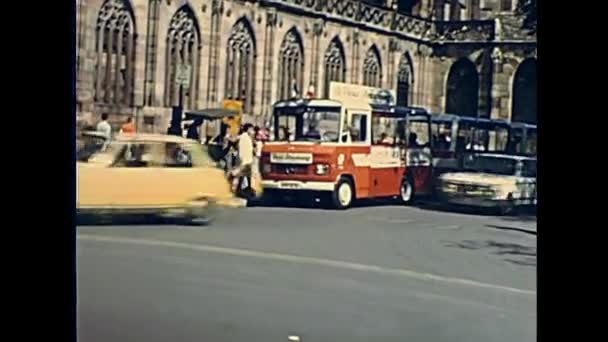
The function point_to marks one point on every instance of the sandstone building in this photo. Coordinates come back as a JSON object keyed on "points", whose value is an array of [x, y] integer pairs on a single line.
{"points": [[467, 57]]}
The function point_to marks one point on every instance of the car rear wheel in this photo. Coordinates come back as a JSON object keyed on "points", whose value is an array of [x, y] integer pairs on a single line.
{"points": [[201, 216], [343, 195]]}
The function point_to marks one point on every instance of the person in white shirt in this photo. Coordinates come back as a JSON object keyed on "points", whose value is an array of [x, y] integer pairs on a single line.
{"points": [[104, 127], [246, 154]]}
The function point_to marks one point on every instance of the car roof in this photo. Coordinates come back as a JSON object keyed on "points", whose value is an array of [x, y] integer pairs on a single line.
{"points": [[151, 137], [506, 156]]}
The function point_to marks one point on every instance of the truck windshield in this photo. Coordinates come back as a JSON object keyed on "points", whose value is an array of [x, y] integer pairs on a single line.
{"points": [[309, 124]]}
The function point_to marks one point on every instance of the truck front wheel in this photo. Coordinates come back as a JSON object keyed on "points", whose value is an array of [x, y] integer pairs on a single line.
{"points": [[344, 194]]}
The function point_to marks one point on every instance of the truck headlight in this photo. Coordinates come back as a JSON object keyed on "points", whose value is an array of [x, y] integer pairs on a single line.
{"points": [[321, 169], [266, 168]]}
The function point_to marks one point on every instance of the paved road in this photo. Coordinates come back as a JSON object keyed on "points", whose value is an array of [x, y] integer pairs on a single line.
{"points": [[373, 273]]}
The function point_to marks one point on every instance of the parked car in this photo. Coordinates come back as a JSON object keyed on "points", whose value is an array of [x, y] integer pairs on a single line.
{"points": [[498, 181], [151, 174]]}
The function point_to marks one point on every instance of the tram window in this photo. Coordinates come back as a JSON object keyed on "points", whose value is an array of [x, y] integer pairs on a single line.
{"points": [[384, 130], [498, 140], [442, 135], [421, 129]]}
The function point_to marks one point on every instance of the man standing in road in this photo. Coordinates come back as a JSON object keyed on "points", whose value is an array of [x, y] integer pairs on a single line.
{"points": [[246, 153], [105, 128]]}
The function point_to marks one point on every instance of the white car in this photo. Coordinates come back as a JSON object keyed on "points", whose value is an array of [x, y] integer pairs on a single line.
{"points": [[487, 180]]}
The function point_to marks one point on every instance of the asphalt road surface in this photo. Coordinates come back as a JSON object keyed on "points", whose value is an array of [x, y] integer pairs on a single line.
{"points": [[373, 273]]}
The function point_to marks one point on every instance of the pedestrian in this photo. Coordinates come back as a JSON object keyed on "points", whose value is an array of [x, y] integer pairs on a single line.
{"points": [[128, 127], [245, 156], [104, 127], [261, 136]]}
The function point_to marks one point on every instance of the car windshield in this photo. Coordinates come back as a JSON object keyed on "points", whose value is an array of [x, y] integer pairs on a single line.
{"points": [[490, 164], [311, 124]]}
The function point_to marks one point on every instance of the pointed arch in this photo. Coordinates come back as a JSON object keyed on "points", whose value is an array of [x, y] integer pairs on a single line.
{"points": [[291, 64], [405, 78], [372, 68], [183, 48], [524, 101], [240, 71], [115, 41], [335, 63], [462, 89]]}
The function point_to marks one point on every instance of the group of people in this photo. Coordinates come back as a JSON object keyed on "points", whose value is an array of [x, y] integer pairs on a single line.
{"points": [[246, 152]]}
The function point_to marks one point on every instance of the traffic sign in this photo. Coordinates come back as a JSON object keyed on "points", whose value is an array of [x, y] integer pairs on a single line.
{"points": [[183, 74]]}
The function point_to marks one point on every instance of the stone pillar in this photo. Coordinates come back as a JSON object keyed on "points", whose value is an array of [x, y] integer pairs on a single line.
{"points": [[500, 87], [455, 10], [473, 9], [268, 63], [439, 9], [426, 8], [424, 84], [215, 26], [355, 65], [317, 27], [393, 51]]}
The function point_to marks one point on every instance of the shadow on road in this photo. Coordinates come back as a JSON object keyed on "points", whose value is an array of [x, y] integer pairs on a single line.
{"points": [[515, 253], [516, 229], [131, 220]]}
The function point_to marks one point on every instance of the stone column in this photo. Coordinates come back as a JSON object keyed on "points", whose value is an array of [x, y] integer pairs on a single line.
{"points": [[425, 74], [473, 9], [355, 65], [500, 87], [268, 62], [318, 27], [455, 10]]}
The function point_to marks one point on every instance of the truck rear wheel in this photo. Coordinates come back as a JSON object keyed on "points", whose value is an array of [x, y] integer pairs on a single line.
{"points": [[343, 195], [406, 191]]}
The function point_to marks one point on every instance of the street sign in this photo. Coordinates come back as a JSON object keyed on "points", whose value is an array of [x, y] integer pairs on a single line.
{"points": [[182, 75], [233, 122]]}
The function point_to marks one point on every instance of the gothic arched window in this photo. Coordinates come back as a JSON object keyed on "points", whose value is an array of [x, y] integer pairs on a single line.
{"points": [[404, 80], [462, 93], [291, 64], [240, 71], [115, 33], [335, 67], [524, 92], [183, 55], [372, 68]]}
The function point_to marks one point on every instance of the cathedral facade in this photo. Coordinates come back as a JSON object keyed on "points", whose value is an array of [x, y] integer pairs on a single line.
{"points": [[467, 57]]}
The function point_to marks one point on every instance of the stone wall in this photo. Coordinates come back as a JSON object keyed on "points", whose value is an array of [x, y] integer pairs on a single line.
{"points": [[394, 35]]}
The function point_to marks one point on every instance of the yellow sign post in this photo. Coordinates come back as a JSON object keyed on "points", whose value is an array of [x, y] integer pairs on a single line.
{"points": [[233, 122]]}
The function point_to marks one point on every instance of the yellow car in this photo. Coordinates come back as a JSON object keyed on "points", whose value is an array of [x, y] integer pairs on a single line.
{"points": [[151, 174]]}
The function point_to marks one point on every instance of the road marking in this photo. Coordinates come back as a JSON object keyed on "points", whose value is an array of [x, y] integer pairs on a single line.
{"points": [[293, 338], [305, 260]]}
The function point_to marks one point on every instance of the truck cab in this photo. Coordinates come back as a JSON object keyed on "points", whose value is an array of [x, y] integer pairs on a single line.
{"points": [[332, 148]]}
